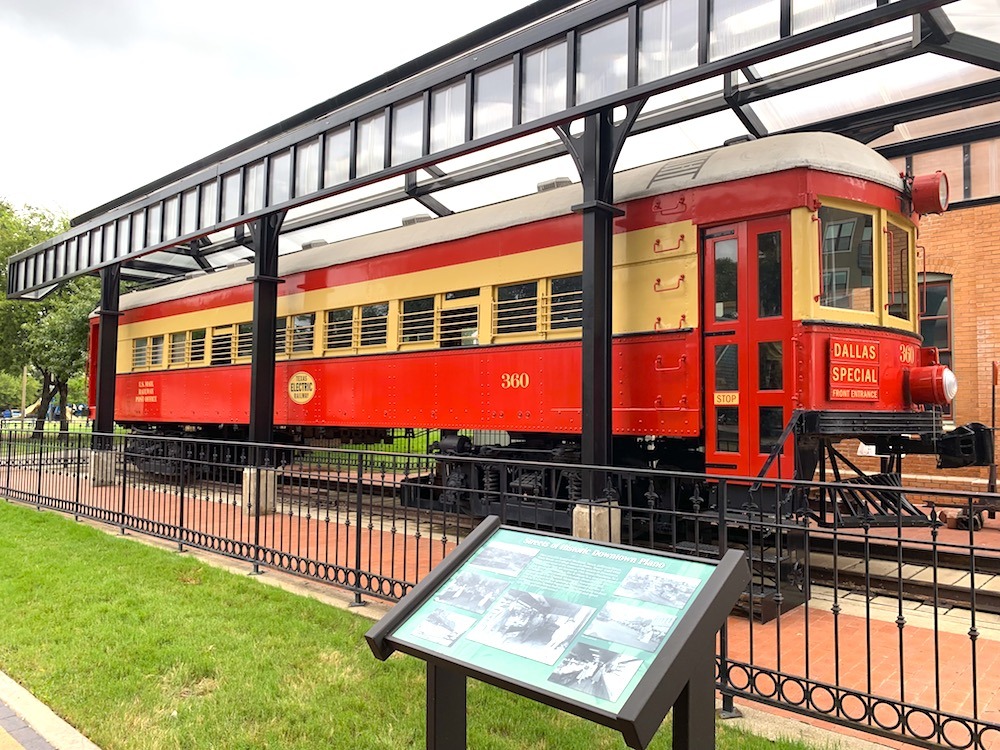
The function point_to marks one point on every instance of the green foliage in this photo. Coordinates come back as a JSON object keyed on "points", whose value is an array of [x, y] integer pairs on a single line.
{"points": [[19, 230], [10, 390], [50, 335], [55, 338], [78, 390]]}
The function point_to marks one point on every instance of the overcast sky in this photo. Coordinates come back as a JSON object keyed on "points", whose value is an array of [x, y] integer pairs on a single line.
{"points": [[103, 96]]}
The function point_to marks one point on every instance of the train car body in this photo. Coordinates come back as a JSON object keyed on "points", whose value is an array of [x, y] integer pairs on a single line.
{"points": [[755, 286]]}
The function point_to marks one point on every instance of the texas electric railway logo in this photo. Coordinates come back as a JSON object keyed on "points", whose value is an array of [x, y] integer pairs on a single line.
{"points": [[301, 387]]}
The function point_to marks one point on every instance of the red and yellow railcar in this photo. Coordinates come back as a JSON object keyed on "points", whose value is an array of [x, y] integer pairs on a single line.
{"points": [[758, 286]]}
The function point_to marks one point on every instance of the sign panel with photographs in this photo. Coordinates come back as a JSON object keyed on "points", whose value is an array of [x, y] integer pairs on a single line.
{"points": [[571, 617]]}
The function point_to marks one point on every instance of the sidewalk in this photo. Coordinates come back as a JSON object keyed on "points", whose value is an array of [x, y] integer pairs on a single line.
{"points": [[26, 722]]}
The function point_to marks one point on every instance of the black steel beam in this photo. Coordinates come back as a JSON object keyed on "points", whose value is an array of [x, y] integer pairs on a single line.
{"points": [[881, 120], [265, 280], [749, 118], [970, 49], [933, 26], [943, 140], [107, 356], [466, 44], [595, 154], [141, 264], [507, 48], [596, 159]]}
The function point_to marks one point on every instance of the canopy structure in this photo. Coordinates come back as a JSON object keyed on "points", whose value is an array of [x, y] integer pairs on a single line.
{"points": [[908, 76], [608, 82]]}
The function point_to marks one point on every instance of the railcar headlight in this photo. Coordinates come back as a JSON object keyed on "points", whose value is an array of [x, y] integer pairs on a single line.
{"points": [[930, 193], [933, 384]]}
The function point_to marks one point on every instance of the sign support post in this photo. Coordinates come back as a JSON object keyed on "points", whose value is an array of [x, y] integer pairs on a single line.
{"points": [[446, 712]]}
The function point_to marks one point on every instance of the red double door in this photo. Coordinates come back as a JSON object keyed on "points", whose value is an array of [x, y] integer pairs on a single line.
{"points": [[747, 345]]}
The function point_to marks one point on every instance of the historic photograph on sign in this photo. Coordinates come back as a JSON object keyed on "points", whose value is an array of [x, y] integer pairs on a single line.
{"points": [[534, 626], [444, 627], [595, 671], [507, 559], [630, 625], [472, 591], [657, 588]]}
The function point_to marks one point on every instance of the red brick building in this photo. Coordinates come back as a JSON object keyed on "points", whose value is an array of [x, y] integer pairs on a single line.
{"points": [[959, 269]]}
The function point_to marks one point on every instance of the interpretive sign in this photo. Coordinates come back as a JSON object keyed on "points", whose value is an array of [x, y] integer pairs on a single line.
{"points": [[588, 627]]}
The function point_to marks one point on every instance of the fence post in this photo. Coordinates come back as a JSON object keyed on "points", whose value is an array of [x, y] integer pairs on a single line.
{"points": [[180, 510], [124, 445], [357, 536], [256, 452], [79, 474], [10, 457], [41, 454], [728, 710]]}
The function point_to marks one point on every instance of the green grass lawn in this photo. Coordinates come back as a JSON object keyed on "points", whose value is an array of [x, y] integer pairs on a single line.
{"points": [[139, 647]]}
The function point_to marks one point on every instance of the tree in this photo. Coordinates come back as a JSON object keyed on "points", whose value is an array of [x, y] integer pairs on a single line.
{"points": [[55, 342], [19, 230], [50, 335]]}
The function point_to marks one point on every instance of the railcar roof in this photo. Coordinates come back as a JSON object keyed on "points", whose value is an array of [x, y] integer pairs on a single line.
{"points": [[826, 152]]}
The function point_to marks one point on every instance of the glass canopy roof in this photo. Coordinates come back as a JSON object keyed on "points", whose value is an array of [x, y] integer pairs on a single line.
{"points": [[908, 77]]}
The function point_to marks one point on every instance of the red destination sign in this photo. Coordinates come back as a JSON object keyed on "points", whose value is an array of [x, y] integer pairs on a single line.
{"points": [[854, 370]]}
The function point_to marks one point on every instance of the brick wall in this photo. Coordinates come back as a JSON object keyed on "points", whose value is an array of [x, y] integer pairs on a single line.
{"points": [[965, 243]]}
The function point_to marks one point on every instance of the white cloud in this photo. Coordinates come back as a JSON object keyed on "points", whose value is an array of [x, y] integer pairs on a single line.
{"points": [[103, 97]]}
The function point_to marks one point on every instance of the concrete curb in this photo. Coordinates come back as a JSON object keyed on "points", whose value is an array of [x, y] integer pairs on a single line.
{"points": [[41, 718]]}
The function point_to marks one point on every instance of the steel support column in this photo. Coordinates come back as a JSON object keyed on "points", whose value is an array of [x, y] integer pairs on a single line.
{"points": [[107, 355], [595, 154], [264, 233]]}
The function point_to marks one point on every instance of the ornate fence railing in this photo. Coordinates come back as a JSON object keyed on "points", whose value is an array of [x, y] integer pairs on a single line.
{"points": [[886, 622]]}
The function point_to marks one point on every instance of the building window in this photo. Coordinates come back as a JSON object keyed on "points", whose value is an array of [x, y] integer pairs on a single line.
{"points": [[935, 319]]}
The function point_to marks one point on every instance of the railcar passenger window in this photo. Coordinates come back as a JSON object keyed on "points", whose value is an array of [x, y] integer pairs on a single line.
{"points": [[222, 345], [156, 351], [244, 340], [847, 260], [727, 368], [178, 348], [140, 353], [517, 308], [303, 327], [769, 366], [898, 251], [281, 336], [726, 289], [460, 325], [198, 345], [340, 328], [374, 322], [566, 306], [418, 320], [772, 424], [727, 432], [769, 275]]}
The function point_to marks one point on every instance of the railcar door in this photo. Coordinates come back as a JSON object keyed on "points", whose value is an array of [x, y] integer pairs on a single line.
{"points": [[747, 345]]}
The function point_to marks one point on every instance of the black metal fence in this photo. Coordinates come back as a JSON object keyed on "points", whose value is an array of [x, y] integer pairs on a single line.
{"points": [[887, 623]]}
